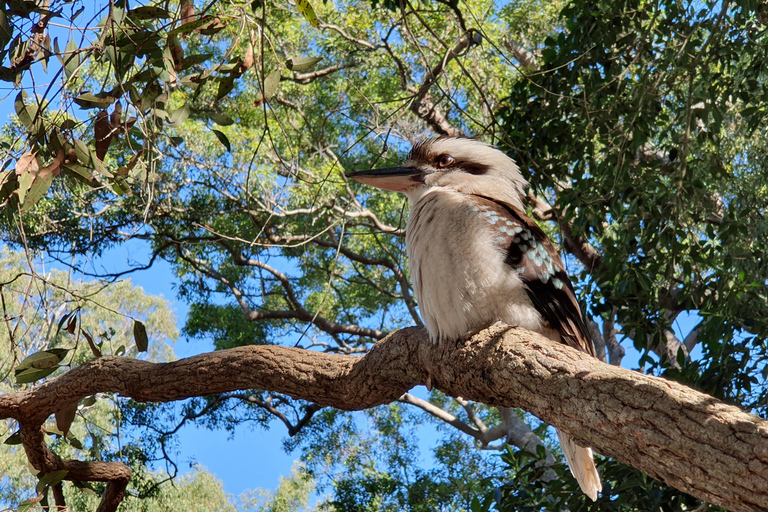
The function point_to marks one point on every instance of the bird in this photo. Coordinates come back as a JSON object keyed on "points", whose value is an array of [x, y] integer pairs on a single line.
{"points": [[477, 259]]}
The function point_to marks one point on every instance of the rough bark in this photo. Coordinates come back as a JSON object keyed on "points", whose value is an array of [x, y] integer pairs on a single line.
{"points": [[685, 438]]}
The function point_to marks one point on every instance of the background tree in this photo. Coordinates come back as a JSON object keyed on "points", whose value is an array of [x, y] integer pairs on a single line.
{"points": [[218, 135]]}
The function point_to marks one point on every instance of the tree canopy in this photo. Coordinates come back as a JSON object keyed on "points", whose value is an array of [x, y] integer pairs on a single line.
{"points": [[217, 135]]}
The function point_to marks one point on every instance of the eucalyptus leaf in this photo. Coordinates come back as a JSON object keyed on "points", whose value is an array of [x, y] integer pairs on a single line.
{"points": [[223, 139], [140, 336], [302, 64]]}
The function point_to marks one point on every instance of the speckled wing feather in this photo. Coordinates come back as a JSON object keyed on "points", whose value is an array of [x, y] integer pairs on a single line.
{"points": [[532, 255]]}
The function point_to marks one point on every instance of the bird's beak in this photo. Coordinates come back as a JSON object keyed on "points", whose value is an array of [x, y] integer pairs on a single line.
{"points": [[398, 179]]}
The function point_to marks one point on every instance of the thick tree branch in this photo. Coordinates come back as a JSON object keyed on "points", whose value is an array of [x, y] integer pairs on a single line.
{"points": [[687, 439]]}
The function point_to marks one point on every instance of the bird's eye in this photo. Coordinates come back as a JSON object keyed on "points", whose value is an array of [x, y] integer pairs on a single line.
{"points": [[445, 161]]}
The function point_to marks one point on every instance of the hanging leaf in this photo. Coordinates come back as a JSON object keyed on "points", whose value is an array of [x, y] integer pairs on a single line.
{"points": [[27, 163], [36, 191], [27, 504], [14, 438], [83, 153], [271, 83], [71, 59], [51, 479], [140, 336], [177, 52], [191, 60], [102, 134], [89, 401], [248, 59], [95, 349], [220, 119], [73, 441], [6, 32], [22, 110], [54, 168], [79, 172], [65, 416], [223, 139], [225, 86], [180, 114], [213, 27], [26, 169], [306, 10], [302, 64]]}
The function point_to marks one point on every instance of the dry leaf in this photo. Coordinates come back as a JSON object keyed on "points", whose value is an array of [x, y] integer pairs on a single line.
{"points": [[248, 60], [54, 167], [102, 134], [27, 163], [117, 113]]}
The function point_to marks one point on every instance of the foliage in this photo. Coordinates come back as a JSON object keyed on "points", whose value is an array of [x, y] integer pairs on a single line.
{"points": [[36, 301], [219, 136], [293, 494], [649, 130]]}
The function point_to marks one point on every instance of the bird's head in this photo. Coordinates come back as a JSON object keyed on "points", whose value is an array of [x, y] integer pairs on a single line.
{"points": [[464, 165]]}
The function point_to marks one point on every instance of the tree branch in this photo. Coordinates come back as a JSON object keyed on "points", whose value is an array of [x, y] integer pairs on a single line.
{"points": [[687, 439]]}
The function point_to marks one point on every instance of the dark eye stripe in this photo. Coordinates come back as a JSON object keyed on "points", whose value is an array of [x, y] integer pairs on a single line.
{"points": [[474, 168]]}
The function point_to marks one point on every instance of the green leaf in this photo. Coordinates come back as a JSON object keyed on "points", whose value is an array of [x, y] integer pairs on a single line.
{"points": [[78, 171], [680, 357], [43, 359], [191, 60], [25, 183], [302, 64], [71, 59], [226, 84], [223, 139], [14, 438], [89, 100], [148, 12], [180, 114], [36, 191], [89, 401], [306, 10], [83, 153], [9, 75], [220, 119], [73, 441], [50, 479], [22, 111], [33, 374], [192, 25], [271, 83], [27, 504], [140, 336], [6, 32]]}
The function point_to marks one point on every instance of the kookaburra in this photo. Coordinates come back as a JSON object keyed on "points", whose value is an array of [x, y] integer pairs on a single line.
{"points": [[477, 259]]}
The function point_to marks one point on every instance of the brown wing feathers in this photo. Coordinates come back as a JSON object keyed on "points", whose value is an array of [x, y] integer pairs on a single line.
{"points": [[531, 253]]}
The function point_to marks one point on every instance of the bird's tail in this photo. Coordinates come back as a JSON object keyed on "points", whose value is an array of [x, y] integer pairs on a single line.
{"points": [[582, 465]]}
